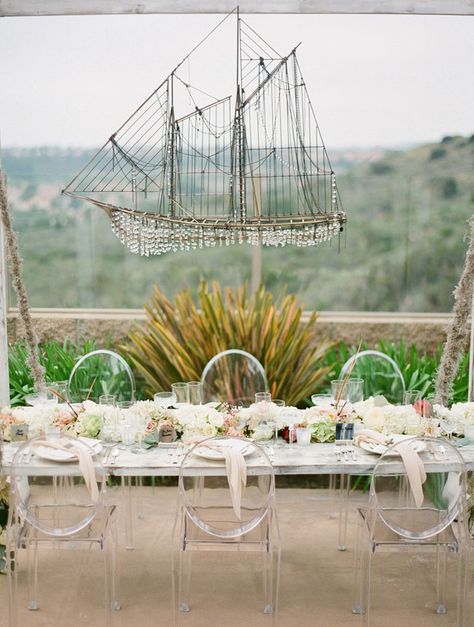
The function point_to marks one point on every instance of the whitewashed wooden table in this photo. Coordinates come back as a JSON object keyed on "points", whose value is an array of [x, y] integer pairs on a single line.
{"points": [[315, 459]]}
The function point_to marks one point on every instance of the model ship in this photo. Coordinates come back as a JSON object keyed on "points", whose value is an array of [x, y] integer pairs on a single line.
{"points": [[247, 167]]}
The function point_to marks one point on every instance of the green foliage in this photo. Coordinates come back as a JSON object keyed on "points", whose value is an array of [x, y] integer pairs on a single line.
{"points": [[180, 337], [57, 358], [418, 369], [449, 187], [437, 153]]}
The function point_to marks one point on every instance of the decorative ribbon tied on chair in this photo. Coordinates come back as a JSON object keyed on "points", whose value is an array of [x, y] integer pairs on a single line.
{"points": [[236, 469], [83, 453], [414, 465]]}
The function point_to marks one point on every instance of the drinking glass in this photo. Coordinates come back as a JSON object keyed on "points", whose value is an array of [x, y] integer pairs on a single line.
{"points": [[52, 432], [356, 390], [340, 389], [181, 391], [125, 404], [262, 397], [42, 397], [128, 435], [303, 436], [108, 399], [107, 436], [411, 396], [278, 402], [61, 388], [291, 417], [322, 400], [195, 392], [165, 399]]}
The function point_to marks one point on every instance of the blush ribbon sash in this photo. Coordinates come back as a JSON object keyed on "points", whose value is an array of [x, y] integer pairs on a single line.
{"points": [[414, 466], [86, 463], [236, 469]]}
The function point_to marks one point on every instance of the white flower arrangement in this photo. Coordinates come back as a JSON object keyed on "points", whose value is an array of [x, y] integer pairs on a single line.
{"points": [[462, 413], [390, 418]]}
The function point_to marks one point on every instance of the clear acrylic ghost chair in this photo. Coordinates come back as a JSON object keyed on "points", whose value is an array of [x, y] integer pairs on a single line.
{"points": [[233, 376], [101, 372], [381, 376], [105, 372], [392, 522], [48, 511], [206, 520]]}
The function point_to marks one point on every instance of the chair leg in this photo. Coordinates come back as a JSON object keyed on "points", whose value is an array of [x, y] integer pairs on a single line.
{"points": [[441, 566], [267, 580], [184, 580], [344, 492], [11, 555], [32, 573], [114, 575], [462, 581], [363, 574]]}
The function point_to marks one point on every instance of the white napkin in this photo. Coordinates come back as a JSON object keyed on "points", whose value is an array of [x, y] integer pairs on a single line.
{"points": [[412, 461], [236, 468], [85, 460]]}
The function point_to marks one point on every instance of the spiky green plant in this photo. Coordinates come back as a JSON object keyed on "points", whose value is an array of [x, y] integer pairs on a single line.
{"points": [[180, 337]]}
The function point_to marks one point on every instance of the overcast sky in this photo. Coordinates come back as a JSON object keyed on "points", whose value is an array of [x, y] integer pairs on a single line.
{"points": [[374, 80]]}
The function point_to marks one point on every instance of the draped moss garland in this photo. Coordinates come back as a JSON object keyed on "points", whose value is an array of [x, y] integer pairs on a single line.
{"points": [[16, 267], [457, 341]]}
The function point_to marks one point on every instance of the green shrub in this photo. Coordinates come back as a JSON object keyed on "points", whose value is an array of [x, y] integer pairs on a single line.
{"points": [[418, 369]]}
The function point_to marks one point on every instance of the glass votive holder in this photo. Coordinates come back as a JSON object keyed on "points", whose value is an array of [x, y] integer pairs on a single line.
{"points": [[181, 391], [195, 392], [261, 397], [303, 436]]}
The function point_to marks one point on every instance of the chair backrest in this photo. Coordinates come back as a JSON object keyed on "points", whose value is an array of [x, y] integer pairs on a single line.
{"points": [[443, 493], [54, 499], [101, 372], [204, 492], [233, 376], [381, 374]]}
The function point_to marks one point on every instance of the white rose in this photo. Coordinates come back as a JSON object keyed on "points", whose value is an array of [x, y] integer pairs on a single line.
{"points": [[374, 419]]}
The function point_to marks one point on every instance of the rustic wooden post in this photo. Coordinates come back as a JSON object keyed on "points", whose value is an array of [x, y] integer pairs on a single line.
{"points": [[4, 379]]}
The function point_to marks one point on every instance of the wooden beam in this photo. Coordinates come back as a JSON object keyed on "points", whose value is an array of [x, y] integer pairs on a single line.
{"points": [[23, 8]]}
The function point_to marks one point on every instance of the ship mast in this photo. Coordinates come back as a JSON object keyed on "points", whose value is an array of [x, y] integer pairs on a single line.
{"points": [[238, 162]]}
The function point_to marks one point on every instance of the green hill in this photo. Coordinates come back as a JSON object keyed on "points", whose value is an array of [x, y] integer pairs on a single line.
{"points": [[403, 248]]}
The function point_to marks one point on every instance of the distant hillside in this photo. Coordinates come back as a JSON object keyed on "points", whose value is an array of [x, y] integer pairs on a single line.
{"points": [[403, 248]]}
